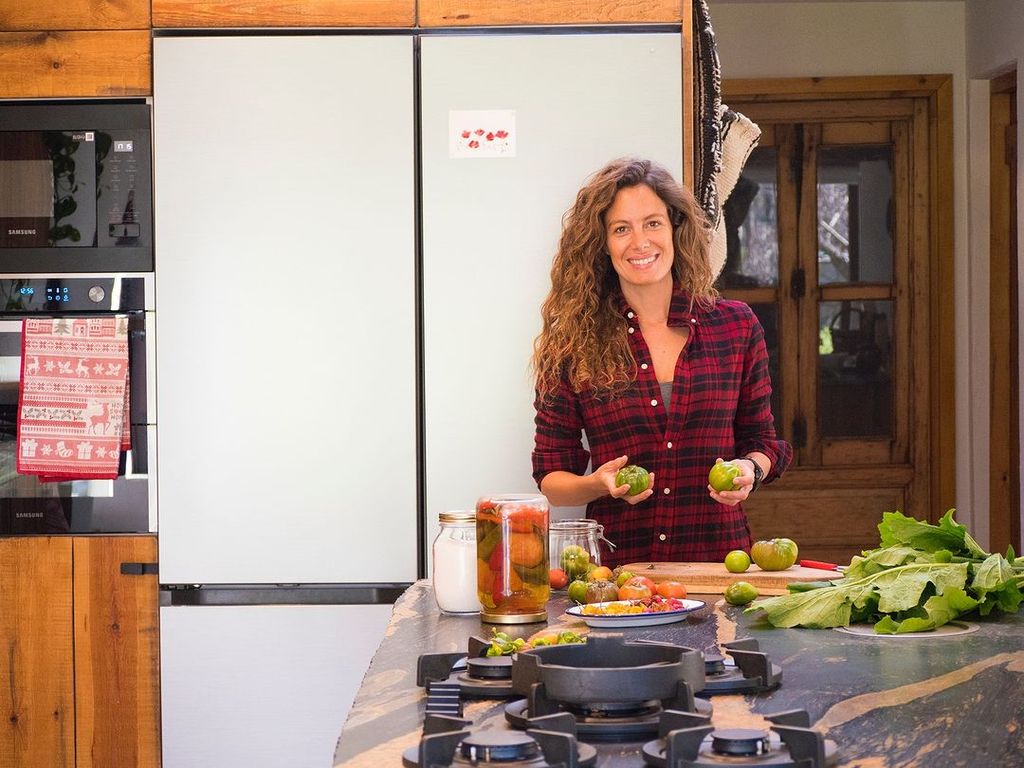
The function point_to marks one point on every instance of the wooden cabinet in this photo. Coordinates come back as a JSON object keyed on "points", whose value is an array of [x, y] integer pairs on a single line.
{"points": [[453, 13], [79, 659], [277, 13]]}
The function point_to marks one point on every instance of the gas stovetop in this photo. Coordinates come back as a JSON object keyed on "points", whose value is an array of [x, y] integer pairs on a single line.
{"points": [[571, 703]]}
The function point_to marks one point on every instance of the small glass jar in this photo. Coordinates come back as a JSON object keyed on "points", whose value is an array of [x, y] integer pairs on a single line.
{"points": [[454, 555], [512, 558], [575, 546]]}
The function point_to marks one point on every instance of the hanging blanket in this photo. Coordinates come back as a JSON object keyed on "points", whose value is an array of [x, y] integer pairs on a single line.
{"points": [[73, 406]]}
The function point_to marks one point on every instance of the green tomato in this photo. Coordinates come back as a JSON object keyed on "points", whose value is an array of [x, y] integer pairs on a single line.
{"points": [[575, 560], [637, 478], [623, 577], [774, 554], [737, 561], [577, 592], [740, 593], [722, 475]]}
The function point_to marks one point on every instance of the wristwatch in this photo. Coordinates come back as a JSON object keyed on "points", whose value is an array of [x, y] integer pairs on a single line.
{"points": [[758, 474]]}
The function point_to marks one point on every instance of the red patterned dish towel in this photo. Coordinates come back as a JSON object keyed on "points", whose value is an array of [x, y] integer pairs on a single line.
{"points": [[73, 405]]}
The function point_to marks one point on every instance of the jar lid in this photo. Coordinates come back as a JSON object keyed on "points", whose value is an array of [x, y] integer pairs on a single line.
{"points": [[576, 525], [457, 516]]}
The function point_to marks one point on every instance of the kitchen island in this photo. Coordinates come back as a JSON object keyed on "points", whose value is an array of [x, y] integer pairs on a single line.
{"points": [[939, 701]]}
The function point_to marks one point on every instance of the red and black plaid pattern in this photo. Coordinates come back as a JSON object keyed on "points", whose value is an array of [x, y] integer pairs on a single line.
{"points": [[720, 406]]}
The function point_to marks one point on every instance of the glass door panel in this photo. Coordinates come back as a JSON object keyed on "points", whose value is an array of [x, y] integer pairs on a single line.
{"points": [[855, 238], [855, 363]]}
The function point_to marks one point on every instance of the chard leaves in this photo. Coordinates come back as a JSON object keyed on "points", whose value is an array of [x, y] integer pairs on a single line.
{"points": [[921, 577]]}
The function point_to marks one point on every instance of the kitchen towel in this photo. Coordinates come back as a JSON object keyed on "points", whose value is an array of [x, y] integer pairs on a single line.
{"points": [[73, 398]]}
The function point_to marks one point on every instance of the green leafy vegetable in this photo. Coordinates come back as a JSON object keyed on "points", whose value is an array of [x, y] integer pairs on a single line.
{"points": [[923, 576]]}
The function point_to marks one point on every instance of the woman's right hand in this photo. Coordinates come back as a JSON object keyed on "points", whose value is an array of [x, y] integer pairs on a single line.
{"points": [[605, 477]]}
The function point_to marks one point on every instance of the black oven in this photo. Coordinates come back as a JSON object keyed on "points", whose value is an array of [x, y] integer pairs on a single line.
{"points": [[126, 504], [75, 187]]}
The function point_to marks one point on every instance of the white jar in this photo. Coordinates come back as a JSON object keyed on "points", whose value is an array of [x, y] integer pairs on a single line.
{"points": [[454, 553]]}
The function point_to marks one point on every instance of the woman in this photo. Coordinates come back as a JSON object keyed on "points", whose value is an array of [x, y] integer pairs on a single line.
{"points": [[638, 352]]}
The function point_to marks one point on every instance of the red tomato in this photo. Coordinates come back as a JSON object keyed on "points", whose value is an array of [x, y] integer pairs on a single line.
{"points": [[633, 592], [557, 578], [643, 581], [671, 589]]}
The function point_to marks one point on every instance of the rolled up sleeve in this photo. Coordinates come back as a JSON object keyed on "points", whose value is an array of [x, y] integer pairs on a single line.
{"points": [[558, 442]]}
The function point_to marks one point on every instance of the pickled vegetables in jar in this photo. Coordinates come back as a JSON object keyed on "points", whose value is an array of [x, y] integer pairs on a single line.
{"points": [[512, 558]]}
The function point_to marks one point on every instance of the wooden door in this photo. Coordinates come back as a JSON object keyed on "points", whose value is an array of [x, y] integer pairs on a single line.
{"points": [[829, 243], [37, 715], [1004, 330], [117, 645]]}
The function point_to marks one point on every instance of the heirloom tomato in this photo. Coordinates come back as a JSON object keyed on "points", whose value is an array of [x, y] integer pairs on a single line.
{"points": [[671, 589], [642, 581], [737, 561], [575, 560], [774, 554], [740, 593], [637, 478], [557, 578], [600, 591], [722, 475], [577, 591], [600, 573], [634, 592]]}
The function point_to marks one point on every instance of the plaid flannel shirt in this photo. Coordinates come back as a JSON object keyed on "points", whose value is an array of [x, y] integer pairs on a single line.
{"points": [[720, 406]]}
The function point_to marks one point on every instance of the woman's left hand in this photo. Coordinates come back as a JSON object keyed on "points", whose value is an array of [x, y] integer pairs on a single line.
{"points": [[743, 483]]}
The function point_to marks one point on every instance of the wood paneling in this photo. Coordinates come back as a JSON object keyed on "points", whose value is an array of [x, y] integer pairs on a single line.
{"points": [[116, 653], [282, 13], [37, 725], [454, 13], [65, 64], [74, 14]]}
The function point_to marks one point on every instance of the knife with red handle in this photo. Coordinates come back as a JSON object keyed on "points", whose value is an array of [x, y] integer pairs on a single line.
{"points": [[822, 565]]}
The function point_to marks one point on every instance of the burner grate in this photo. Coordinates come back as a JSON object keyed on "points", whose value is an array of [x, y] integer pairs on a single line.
{"points": [[750, 671], [690, 741]]}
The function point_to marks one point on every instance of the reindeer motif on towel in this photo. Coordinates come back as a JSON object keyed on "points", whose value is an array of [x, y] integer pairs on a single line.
{"points": [[33, 366], [82, 370], [97, 417]]}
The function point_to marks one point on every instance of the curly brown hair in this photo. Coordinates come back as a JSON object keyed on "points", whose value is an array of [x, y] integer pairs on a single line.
{"points": [[584, 334]]}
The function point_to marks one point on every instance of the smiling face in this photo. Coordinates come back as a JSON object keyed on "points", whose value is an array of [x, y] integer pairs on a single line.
{"points": [[638, 235]]}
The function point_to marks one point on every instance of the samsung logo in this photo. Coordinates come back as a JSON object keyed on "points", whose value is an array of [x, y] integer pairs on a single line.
{"points": [[21, 231]]}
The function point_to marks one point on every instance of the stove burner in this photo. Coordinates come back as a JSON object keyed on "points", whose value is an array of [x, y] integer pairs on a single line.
{"points": [[749, 672], [689, 741], [459, 674], [447, 741], [739, 741]]}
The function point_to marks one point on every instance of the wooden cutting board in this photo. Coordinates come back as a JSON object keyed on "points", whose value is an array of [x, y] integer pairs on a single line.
{"points": [[713, 578]]}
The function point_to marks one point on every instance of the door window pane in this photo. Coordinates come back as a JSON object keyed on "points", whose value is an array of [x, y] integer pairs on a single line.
{"points": [[768, 316], [854, 214], [751, 225], [855, 387]]}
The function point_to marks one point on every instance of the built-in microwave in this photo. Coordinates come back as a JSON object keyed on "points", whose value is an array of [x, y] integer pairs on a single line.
{"points": [[75, 187]]}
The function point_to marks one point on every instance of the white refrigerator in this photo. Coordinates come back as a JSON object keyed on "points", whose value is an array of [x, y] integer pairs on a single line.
{"points": [[347, 300]]}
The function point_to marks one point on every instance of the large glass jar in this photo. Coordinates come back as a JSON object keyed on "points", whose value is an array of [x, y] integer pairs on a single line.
{"points": [[575, 546], [454, 557], [512, 558]]}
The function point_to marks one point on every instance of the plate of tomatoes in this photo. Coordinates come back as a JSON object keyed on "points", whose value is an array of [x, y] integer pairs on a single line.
{"points": [[635, 613]]}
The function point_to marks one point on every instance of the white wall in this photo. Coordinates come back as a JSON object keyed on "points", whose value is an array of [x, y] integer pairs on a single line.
{"points": [[995, 44], [801, 39]]}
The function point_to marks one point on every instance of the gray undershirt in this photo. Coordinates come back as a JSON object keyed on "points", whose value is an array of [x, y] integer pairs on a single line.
{"points": [[666, 392]]}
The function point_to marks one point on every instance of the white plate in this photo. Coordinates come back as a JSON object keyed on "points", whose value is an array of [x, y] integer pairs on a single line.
{"points": [[952, 629], [634, 619]]}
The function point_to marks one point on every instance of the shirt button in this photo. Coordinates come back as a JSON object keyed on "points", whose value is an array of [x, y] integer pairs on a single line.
{"points": [[668, 491], [693, 320], [669, 444], [662, 536], [654, 402], [643, 366], [630, 315], [630, 329]]}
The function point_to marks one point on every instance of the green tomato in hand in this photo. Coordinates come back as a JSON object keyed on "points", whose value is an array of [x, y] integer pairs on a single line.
{"points": [[637, 478], [722, 475], [774, 554]]}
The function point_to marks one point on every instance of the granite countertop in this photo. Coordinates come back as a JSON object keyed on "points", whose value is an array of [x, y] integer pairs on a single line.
{"points": [[938, 701]]}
